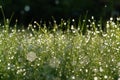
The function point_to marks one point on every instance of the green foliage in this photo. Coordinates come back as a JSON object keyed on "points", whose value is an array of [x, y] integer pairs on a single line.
{"points": [[27, 54]]}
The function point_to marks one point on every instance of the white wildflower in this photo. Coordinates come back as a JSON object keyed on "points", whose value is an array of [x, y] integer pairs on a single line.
{"points": [[95, 78], [31, 56], [118, 78], [118, 19], [72, 27], [73, 77], [19, 71], [101, 69], [111, 18], [105, 76], [92, 17], [73, 20], [8, 68]]}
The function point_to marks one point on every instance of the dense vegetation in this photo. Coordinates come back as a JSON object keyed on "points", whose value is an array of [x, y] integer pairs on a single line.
{"points": [[42, 54]]}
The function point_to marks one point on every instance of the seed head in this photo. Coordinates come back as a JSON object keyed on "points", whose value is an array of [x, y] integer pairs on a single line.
{"points": [[31, 56]]}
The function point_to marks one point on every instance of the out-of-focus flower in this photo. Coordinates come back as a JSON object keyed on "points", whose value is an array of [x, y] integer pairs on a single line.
{"points": [[31, 56], [54, 62], [111, 18], [27, 8], [73, 77], [118, 18], [95, 78], [118, 64], [105, 76], [118, 78], [57, 2]]}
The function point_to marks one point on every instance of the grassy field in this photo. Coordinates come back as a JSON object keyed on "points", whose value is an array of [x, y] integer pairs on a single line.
{"points": [[30, 54]]}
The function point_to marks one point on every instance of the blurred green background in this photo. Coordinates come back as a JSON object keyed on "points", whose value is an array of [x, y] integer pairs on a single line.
{"points": [[26, 11]]}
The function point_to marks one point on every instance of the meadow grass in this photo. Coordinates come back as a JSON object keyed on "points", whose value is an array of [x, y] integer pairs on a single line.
{"points": [[42, 54]]}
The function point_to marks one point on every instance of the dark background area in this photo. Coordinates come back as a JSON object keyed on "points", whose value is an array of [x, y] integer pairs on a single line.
{"points": [[26, 11]]}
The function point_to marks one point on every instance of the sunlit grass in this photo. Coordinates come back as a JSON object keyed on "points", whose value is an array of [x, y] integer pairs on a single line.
{"points": [[30, 54]]}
